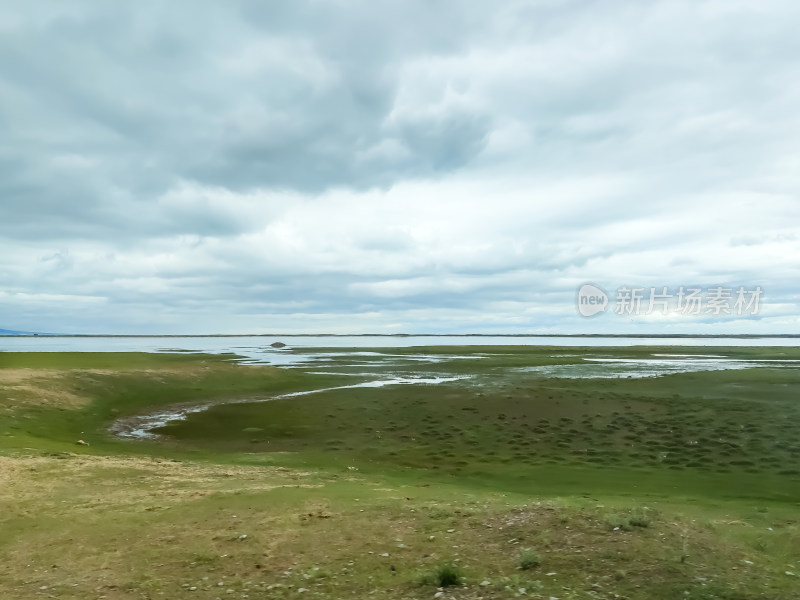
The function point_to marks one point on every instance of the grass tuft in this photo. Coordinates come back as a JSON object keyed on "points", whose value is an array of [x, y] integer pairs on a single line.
{"points": [[529, 559], [447, 575]]}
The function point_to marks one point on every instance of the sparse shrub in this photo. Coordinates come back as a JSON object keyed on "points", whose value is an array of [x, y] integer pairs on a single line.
{"points": [[618, 522], [627, 523], [447, 575], [529, 559], [639, 522]]}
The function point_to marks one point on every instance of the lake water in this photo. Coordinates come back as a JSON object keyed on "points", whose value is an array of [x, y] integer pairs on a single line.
{"points": [[257, 348]]}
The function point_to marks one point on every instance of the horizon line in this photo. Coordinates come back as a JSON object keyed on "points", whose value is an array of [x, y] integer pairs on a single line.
{"points": [[521, 335]]}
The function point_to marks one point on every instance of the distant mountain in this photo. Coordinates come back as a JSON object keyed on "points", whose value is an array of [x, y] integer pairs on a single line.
{"points": [[11, 332]]}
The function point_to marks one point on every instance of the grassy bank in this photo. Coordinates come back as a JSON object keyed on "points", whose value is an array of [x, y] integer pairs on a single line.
{"points": [[510, 482]]}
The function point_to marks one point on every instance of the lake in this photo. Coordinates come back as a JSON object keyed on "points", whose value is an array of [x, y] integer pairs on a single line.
{"points": [[257, 348]]}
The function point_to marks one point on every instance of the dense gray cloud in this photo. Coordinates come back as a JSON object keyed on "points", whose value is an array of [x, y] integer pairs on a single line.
{"points": [[401, 166]]}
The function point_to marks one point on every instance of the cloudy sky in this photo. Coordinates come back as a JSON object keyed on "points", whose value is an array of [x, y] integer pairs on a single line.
{"points": [[412, 166]]}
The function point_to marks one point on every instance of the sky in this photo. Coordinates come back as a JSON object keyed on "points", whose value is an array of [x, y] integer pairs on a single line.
{"points": [[415, 166]]}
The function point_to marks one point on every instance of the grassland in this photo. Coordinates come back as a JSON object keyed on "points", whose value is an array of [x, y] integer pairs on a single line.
{"points": [[510, 482]]}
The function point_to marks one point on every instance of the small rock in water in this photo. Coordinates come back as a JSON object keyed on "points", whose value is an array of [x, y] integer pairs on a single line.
{"points": [[278, 345]]}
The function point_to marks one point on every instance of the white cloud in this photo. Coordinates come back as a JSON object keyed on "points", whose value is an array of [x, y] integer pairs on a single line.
{"points": [[244, 167]]}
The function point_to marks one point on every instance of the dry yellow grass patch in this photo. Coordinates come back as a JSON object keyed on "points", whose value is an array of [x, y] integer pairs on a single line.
{"points": [[109, 483], [125, 527], [36, 387], [24, 387]]}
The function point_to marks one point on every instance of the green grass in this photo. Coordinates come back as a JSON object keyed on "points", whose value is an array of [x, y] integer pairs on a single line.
{"points": [[528, 559], [682, 486], [694, 434], [71, 396]]}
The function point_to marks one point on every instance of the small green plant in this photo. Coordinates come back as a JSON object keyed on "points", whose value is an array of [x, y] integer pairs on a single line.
{"points": [[615, 522], [528, 559], [448, 575], [443, 576], [640, 522], [627, 523]]}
